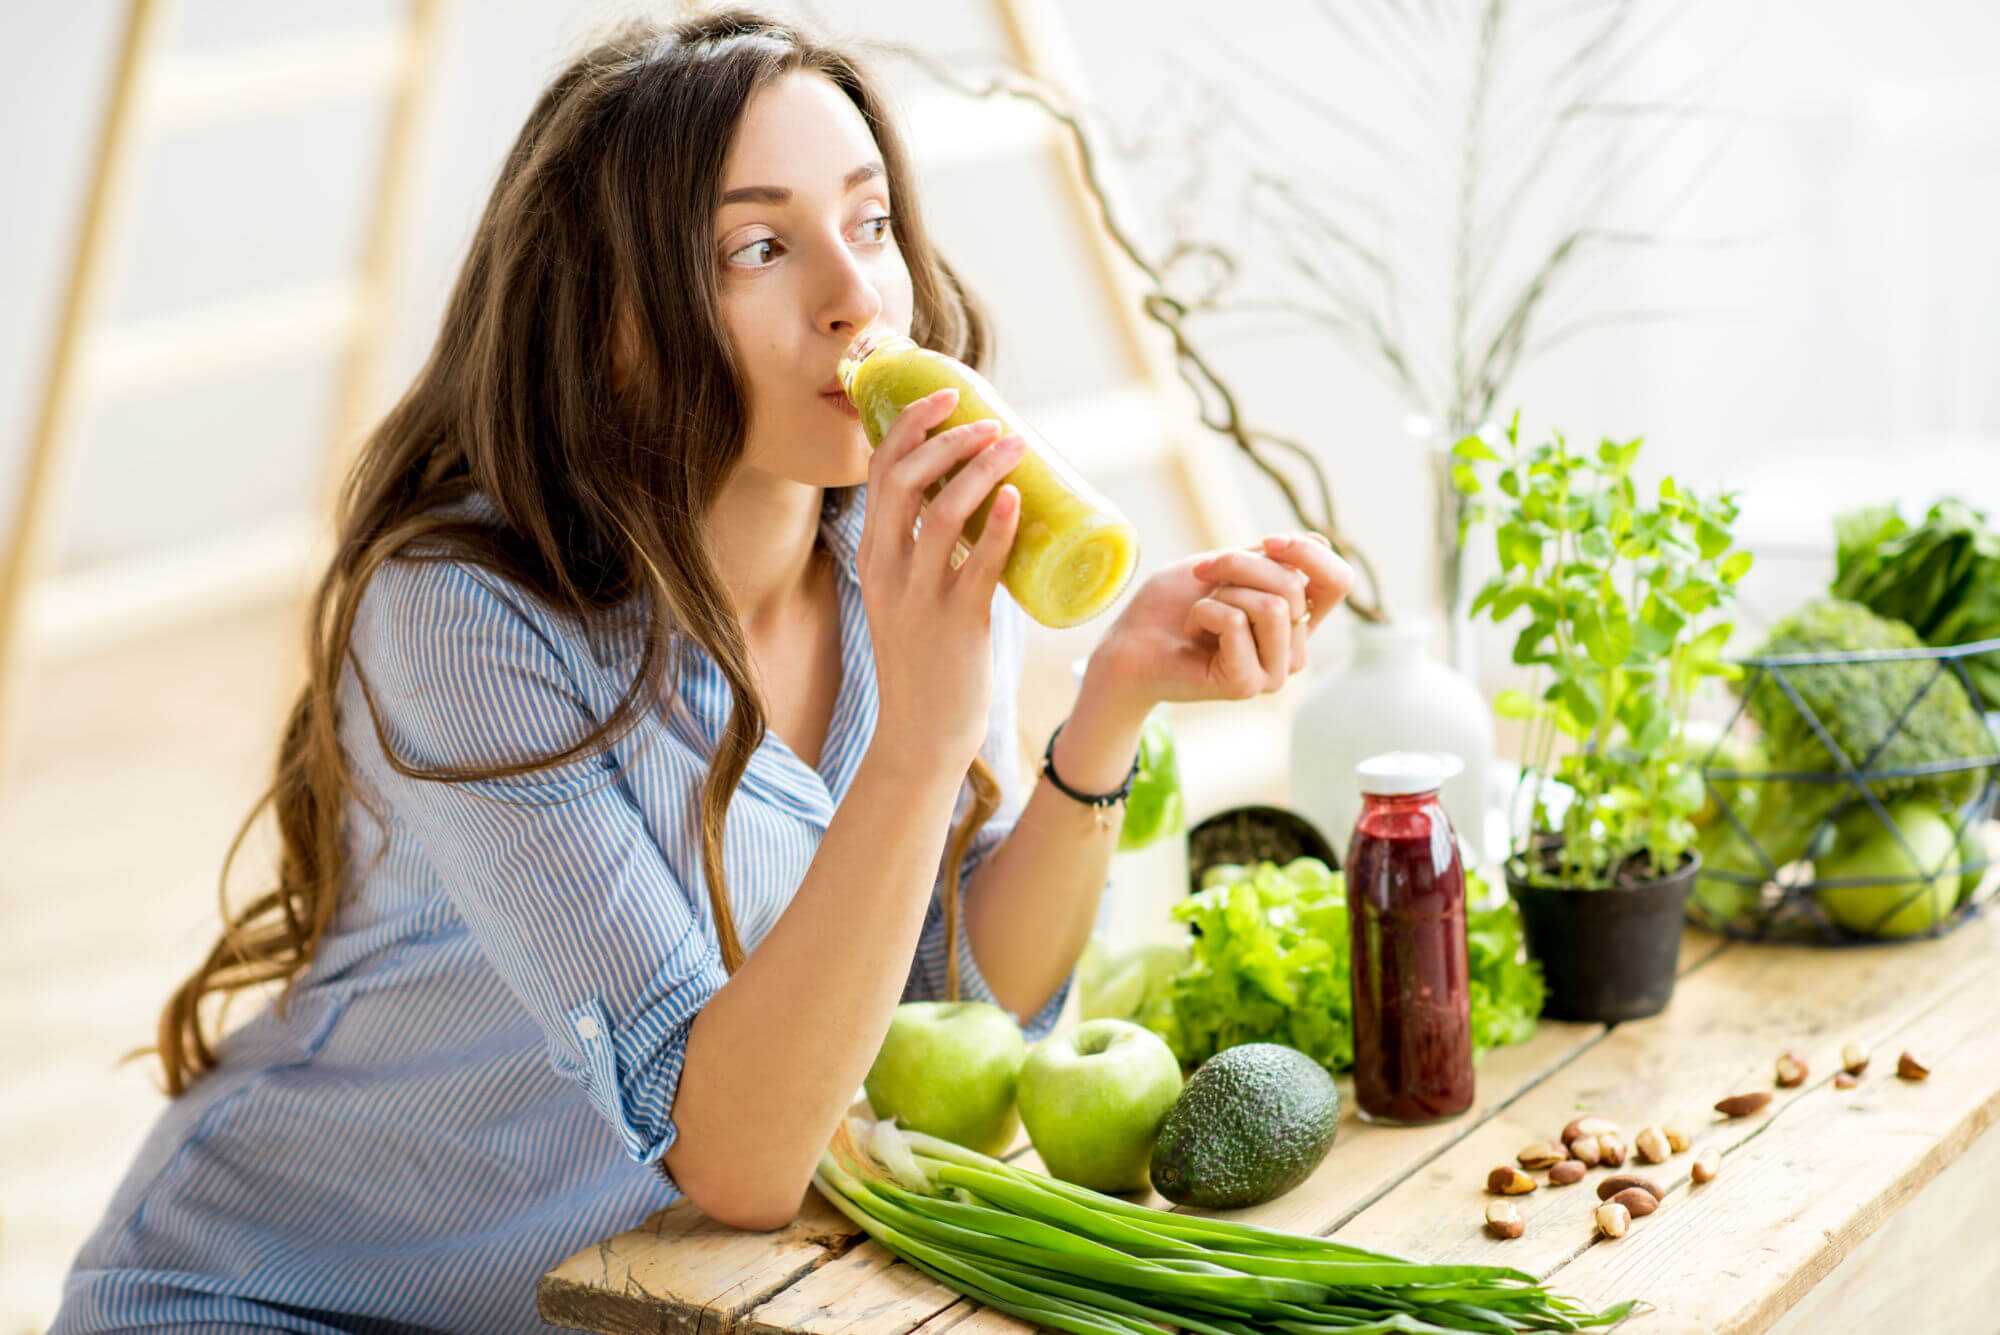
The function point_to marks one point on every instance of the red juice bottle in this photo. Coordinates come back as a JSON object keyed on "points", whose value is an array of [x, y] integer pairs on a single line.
{"points": [[1406, 921]]}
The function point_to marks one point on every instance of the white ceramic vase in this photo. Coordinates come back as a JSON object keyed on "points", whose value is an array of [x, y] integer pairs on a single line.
{"points": [[1393, 695], [1143, 885]]}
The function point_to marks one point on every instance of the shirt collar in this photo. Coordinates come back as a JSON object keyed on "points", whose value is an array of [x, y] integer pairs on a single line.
{"points": [[843, 530]]}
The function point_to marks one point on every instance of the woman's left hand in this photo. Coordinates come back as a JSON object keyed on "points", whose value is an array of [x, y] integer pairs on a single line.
{"points": [[1224, 625]]}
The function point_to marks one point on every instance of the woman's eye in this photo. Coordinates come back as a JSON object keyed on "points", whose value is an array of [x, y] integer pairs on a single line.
{"points": [[759, 253]]}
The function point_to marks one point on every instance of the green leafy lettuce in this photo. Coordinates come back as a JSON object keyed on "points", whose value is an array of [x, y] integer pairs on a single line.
{"points": [[1269, 964]]}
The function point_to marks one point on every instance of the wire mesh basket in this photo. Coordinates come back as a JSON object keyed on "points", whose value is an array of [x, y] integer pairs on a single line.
{"points": [[1882, 834]]}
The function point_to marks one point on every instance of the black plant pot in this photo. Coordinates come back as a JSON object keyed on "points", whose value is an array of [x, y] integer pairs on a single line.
{"points": [[1607, 955], [1254, 834]]}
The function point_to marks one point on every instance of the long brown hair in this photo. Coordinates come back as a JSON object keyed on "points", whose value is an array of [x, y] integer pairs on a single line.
{"points": [[602, 215]]}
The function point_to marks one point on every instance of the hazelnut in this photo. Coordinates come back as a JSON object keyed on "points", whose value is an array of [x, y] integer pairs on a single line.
{"points": [[1612, 1219], [1504, 1221], [1618, 1182], [1638, 1201], [1854, 1059], [1652, 1145], [1507, 1180], [1541, 1154], [1910, 1068], [1846, 1080], [1587, 1126], [1567, 1172], [1611, 1150], [1792, 1071], [1584, 1149], [1677, 1137], [1707, 1165], [1742, 1105]]}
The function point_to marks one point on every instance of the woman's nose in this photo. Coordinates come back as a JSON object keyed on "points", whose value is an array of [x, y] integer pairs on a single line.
{"points": [[852, 301]]}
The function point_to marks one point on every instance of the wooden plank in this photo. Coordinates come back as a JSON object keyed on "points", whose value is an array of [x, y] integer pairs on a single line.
{"points": [[1799, 1192], [257, 78], [1122, 429], [115, 600], [970, 1318], [680, 1273], [1728, 1023], [1926, 1268], [355, 404], [224, 337], [866, 1291], [45, 478]]}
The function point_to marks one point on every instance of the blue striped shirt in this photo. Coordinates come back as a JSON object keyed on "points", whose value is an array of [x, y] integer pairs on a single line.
{"points": [[482, 1056]]}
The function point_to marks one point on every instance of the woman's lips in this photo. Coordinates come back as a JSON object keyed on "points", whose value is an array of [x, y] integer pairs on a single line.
{"points": [[842, 405]]}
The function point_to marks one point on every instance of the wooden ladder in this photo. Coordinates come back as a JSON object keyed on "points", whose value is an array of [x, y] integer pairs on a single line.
{"points": [[152, 93]]}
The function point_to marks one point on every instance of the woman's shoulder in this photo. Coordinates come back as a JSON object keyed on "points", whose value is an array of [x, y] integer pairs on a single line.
{"points": [[431, 606]]}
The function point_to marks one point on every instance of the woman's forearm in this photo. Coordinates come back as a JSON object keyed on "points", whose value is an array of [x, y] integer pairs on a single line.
{"points": [[776, 1054], [1030, 906]]}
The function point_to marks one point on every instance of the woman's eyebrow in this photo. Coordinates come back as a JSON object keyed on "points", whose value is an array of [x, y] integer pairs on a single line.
{"points": [[776, 194]]}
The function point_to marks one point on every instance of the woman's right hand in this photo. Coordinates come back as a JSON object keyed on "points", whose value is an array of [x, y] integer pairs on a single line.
{"points": [[931, 622]]}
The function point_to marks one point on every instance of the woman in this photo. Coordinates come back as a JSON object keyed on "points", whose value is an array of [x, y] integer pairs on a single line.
{"points": [[608, 575]]}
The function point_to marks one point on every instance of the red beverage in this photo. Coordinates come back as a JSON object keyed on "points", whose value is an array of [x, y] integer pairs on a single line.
{"points": [[1406, 919]]}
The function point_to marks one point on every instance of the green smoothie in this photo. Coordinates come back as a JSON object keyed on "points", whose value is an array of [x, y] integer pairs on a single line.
{"points": [[1073, 552]]}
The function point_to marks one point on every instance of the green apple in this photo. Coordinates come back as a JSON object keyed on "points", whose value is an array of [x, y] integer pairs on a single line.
{"points": [[1093, 1098], [948, 1068], [1910, 898], [1973, 857], [1128, 986], [1704, 744]]}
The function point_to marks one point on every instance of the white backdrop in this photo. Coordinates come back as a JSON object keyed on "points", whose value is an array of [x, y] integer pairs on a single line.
{"points": [[1857, 325]]}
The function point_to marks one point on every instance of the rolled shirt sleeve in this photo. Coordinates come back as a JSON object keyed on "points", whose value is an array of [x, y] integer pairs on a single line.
{"points": [[554, 872], [1001, 751]]}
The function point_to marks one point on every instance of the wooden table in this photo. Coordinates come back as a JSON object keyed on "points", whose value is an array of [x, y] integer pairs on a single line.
{"points": [[1876, 1208]]}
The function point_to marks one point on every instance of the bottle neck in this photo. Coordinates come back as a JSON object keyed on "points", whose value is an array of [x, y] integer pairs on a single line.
{"points": [[1393, 641], [1400, 801], [873, 339]]}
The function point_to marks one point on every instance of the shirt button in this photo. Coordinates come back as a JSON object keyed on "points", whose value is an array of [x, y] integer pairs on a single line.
{"points": [[586, 1028]]}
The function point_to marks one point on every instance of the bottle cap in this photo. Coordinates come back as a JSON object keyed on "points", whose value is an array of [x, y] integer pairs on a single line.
{"points": [[1400, 773]]}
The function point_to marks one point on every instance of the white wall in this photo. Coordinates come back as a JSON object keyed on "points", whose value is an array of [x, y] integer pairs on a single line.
{"points": [[1841, 349], [1862, 317]]}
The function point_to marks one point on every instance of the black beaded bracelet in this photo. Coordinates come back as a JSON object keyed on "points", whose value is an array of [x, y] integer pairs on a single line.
{"points": [[1098, 800]]}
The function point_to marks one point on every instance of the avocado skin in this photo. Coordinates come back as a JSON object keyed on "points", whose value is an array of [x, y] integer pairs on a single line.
{"points": [[1253, 1121]]}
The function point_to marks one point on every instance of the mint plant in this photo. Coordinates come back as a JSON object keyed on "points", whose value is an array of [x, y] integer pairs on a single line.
{"points": [[1623, 606]]}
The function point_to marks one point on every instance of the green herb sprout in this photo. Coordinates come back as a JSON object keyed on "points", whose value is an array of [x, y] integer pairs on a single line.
{"points": [[1622, 603]]}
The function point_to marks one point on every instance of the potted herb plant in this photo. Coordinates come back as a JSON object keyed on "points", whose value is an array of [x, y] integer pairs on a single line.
{"points": [[1622, 598]]}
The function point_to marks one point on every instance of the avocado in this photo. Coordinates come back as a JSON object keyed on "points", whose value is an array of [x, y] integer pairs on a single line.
{"points": [[1249, 1126]]}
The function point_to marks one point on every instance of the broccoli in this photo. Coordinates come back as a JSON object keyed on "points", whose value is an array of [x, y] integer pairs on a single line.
{"points": [[1858, 704]]}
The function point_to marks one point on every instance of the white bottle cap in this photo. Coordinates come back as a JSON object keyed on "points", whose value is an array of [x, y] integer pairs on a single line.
{"points": [[1400, 773]]}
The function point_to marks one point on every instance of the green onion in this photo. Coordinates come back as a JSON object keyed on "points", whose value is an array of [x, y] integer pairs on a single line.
{"points": [[1071, 1259]]}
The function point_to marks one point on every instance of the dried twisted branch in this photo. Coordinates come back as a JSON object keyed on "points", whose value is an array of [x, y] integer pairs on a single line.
{"points": [[1514, 125], [1220, 409]]}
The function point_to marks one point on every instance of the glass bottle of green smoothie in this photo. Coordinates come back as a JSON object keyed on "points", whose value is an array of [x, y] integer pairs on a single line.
{"points": [[1073, 551]]}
